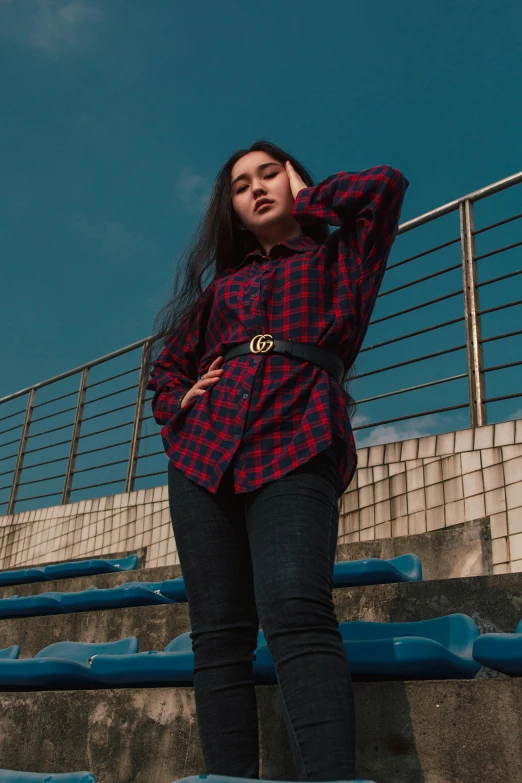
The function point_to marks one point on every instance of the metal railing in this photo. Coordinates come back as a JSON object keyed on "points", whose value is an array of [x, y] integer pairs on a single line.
{"points": [[472, 342], [469, 290]]}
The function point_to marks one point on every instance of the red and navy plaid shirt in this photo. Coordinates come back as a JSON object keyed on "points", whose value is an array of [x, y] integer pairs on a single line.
{"points": [[269, 414]]}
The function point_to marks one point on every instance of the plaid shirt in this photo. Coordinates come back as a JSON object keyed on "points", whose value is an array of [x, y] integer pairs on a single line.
{"points": [[269, 414]]}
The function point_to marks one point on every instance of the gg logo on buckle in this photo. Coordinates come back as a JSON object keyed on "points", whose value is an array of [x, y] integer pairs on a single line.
{"points": [[258, 344]]}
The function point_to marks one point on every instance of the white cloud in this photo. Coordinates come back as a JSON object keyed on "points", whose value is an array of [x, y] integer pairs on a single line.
{"points": [[53, 27], [389, 433], [427, 425], [192, 190]]}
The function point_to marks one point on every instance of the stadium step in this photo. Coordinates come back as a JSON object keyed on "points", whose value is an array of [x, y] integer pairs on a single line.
{"points": [[494, 602], [449, 731], [459, 551], [452, 731]]}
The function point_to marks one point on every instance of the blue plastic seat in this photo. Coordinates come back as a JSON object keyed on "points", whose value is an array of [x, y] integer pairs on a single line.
{"points": [[501, 651], [172, 666], [14, 776], [377, 571], [31, 606], [180, 643], [68, 570], [90, 567], [128, 594], [228, 779], [372, 571], [22, 576], [426, 649], [10, 652], [62, 665], [174, 588]]}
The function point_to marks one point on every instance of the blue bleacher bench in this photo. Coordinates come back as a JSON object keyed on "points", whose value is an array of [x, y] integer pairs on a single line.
{"points": [[426, 649], [377, 571], [441, 648], [173, 666], [405, 568], [128, 594], [30, 606], [60, 666], [349, 573], [68, 570], [14, 776], [501, 651]]}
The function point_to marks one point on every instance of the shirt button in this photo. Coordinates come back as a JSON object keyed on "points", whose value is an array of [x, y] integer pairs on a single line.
{"points": [[255, 361], [245, 396]]}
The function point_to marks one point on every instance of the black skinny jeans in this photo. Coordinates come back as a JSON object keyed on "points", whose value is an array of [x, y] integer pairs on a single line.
{"points": [[265, 559]]}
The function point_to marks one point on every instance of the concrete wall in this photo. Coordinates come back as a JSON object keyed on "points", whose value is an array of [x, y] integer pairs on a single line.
{"points": [[399, 489]]}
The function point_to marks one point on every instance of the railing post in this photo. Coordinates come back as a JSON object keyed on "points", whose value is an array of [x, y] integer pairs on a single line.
{"points": [[476, 386], [73, 451], [138, 418], [21, 452]]}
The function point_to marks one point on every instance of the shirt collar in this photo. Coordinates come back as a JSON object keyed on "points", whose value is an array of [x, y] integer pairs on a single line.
{"points": [[297, 244]]}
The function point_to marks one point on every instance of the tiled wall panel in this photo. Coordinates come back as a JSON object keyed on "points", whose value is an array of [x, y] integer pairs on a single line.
{"points": [[401, 488]]}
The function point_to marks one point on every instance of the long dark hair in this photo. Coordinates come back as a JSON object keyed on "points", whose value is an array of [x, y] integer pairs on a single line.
{"points": [[218, 244]]}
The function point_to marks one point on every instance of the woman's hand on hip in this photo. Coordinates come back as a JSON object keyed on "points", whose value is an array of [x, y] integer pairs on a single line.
{"points": [[212, 375]]}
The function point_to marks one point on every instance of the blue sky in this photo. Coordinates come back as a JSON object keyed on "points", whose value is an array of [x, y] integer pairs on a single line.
{"points": [[116, 117]]}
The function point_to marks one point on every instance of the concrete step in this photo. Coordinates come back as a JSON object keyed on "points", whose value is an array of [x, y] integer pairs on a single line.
{"points": [[434, 731], [494, 602], [458, 551]]}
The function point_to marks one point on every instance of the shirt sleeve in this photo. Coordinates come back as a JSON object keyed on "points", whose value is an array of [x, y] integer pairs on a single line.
{"points": [[368, 203], [176, 369]]}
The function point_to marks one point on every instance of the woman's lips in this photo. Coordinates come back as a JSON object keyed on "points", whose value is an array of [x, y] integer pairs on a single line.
{"points": [[264, 206]]}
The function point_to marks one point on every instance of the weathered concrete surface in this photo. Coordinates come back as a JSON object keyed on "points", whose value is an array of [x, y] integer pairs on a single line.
{"points": [[461, 731], [459, 550], [494, 602]]}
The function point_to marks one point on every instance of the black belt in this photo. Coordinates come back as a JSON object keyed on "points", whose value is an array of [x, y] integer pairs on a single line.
{"points": [[265, 343]]}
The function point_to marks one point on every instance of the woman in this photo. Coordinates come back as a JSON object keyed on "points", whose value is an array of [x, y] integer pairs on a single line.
{"points": [[256, 426]]}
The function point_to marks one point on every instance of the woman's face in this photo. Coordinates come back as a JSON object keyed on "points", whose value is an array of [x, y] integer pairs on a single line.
{"points": [[253, 180]]}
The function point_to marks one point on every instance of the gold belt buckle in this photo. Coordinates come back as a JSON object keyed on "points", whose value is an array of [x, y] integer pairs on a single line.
{"points": [[259, 345]]}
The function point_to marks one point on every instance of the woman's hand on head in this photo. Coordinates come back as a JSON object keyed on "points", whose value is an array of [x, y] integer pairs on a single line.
{"points": [[296, 181]]}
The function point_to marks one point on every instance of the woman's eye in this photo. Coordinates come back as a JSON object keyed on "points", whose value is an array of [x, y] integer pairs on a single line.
{"points": [[272, 174]]}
